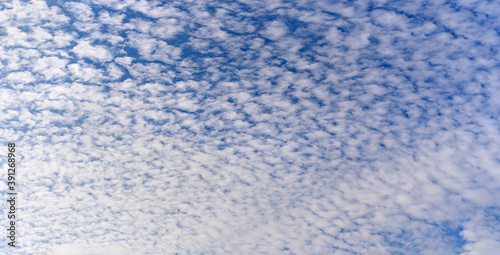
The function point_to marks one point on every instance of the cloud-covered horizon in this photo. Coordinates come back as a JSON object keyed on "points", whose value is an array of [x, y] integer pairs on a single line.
{"points": [[253, 127]]}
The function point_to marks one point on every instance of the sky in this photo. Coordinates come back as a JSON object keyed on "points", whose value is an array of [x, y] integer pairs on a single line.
{"points": [[251, 126]]}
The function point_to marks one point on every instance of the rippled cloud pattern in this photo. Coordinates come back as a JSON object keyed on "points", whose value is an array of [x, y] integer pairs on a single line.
{"points": [[253, 127]]}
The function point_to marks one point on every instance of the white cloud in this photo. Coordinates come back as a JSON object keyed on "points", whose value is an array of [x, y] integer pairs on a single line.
{"points": [[51, 67], [275, 30], [154, 49], [81, 11], [272, 127], [85, 73], [25, 77], [97, 53]]}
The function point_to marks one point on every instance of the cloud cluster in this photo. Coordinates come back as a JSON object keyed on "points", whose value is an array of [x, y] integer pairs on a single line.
{"points": [[253, 127]]}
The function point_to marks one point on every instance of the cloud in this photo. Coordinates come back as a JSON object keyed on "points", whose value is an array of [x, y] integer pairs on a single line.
{"points": [[97, 53], [275, 30], [51, 67], [267, 127], [25, 77], [81, 11]]}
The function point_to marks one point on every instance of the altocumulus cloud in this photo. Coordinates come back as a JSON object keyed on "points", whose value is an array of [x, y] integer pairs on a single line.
{"points": [[253, 127]]}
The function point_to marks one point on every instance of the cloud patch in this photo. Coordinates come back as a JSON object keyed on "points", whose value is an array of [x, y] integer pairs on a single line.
{"points": [[97, 53]]}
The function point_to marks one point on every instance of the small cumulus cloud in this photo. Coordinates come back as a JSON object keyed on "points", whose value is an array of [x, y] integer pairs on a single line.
{"points": [[97, 53], [25, 77], [275, 30]]}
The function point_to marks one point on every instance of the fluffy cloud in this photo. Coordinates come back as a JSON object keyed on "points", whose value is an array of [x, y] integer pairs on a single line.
{"points": [[24, 77], [98, 53]]}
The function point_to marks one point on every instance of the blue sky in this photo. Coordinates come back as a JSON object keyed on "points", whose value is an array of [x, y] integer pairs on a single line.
{"points": [[253, 127]]}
